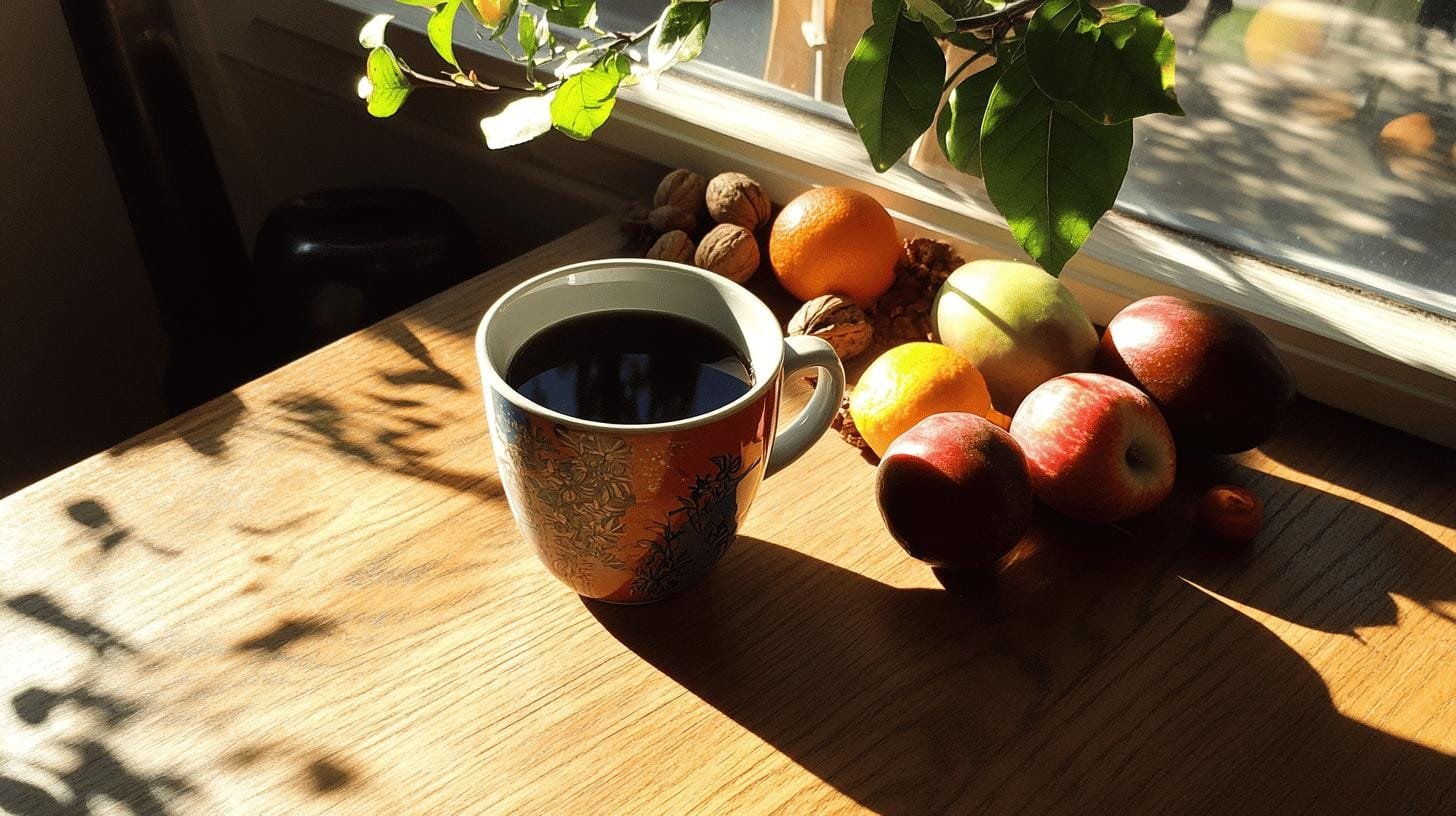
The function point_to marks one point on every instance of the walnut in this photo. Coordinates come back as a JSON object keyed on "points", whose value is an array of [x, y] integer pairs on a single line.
{"points": [[683, 189], [734, 198], [638, 211], [673, 246], [729, 250], [903, 314], [639, 233], [668, 218], [837, 320]]}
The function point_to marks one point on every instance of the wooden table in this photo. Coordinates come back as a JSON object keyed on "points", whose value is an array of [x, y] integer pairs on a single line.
{"points": [[309, 597]]}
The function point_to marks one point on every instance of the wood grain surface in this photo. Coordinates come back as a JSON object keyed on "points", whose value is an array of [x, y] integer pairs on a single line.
{"points": [[309, 597]]}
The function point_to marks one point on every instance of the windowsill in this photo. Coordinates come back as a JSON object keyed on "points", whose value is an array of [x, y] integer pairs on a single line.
{"points": [[1349, 349]]}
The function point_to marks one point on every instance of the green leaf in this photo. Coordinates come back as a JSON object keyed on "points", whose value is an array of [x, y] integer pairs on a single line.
{"points": [[388, 85], [585, 100], [528, 35], [441, 31], [520, 121], [1050, 169], [892, 87], [679, 35], [426, 3], [931, 15], [572, 13], [959, 126], [967, 41], [1114, 65], [969, 8], [882, 10], [371, 34], [504, 25]]}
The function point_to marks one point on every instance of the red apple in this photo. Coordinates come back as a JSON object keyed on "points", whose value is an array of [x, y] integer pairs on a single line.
{"points": [[953, 490], [1096, 447], [1215, 376]]}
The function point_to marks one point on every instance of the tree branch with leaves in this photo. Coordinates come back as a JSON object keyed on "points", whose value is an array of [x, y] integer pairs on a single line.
{"points": [[1046, 121]]}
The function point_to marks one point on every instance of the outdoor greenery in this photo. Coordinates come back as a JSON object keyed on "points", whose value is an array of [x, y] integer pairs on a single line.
{"points": [[1047, 124]]}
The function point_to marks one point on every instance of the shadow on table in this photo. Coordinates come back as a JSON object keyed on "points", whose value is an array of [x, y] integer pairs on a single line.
{"points": [[80, 769], [205, 430], [1351, 452], [1088, 676], [1305, 569], [92, 771], [397, 445]]}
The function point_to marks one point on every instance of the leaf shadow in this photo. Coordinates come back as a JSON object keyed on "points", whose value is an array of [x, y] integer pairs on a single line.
{"points": [[205, 429], [283, 634], [396, 448], [430, 372], [93, 514], [40, 608]]}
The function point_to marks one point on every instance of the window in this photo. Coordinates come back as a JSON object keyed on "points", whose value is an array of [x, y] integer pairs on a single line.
{"points": [[1320, 135], [1277, 195]]}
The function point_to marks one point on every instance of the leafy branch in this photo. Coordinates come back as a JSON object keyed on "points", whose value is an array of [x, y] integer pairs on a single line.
{"points": [[1044, 115], [1007, 13]]}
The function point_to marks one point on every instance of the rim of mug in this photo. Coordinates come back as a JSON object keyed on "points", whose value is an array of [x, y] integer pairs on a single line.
{"points": [[497, 382]]}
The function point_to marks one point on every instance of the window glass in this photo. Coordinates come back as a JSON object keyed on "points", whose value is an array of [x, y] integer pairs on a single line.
{"points": [[1320, 135]]}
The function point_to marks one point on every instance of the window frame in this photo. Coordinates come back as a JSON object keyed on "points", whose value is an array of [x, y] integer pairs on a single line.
{"points": [[1351, 349]]}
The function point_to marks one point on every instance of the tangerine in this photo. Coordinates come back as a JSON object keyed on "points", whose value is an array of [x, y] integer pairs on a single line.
{"points": [[909, 383], [834, 241]]}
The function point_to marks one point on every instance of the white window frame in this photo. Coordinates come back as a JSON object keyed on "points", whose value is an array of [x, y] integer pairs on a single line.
{"points": [[1350, 349]]}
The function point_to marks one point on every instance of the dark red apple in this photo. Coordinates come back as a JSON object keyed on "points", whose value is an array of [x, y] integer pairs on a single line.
{"points": [[1215, 376], [954, 491], [1096, 447]]}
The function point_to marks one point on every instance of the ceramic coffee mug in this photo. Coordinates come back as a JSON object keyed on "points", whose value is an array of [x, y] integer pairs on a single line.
{"points": [[632, 513]]}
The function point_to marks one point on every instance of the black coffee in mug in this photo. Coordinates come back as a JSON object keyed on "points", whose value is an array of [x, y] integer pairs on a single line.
{"points": [[629, 368]]}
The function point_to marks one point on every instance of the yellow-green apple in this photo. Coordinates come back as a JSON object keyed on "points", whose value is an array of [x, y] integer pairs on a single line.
{"points": [[1017, 324], [954, 491], [1215, 376], [1096, 447]]}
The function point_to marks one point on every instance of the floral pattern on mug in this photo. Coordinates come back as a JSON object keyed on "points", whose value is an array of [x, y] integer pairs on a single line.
{"points": [[630, 518], [696, 534], [577, 487]]}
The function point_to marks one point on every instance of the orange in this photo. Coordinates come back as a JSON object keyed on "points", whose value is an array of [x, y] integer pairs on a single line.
{"points": [[909, 383], [492, 12], [834, 241], [1409, 135]]}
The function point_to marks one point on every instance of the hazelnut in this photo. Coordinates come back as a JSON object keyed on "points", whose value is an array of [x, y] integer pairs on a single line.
{"points": [[734, 198], [683, 189], [673, 246], [730, 251], [668, 218], [1230, 513], [838, 320]]}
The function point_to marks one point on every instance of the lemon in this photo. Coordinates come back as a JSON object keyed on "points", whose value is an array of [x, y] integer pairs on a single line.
{"points": [[909, 383]]}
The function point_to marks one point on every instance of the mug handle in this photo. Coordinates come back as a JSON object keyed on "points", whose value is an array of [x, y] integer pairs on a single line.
{"points": [[801, 352]]}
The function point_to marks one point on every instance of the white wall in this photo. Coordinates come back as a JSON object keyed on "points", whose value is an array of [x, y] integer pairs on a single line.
{"points": [[81, 351]]}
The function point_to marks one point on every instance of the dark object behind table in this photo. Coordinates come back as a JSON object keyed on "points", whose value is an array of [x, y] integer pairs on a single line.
{"points": [[333, 262]]}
